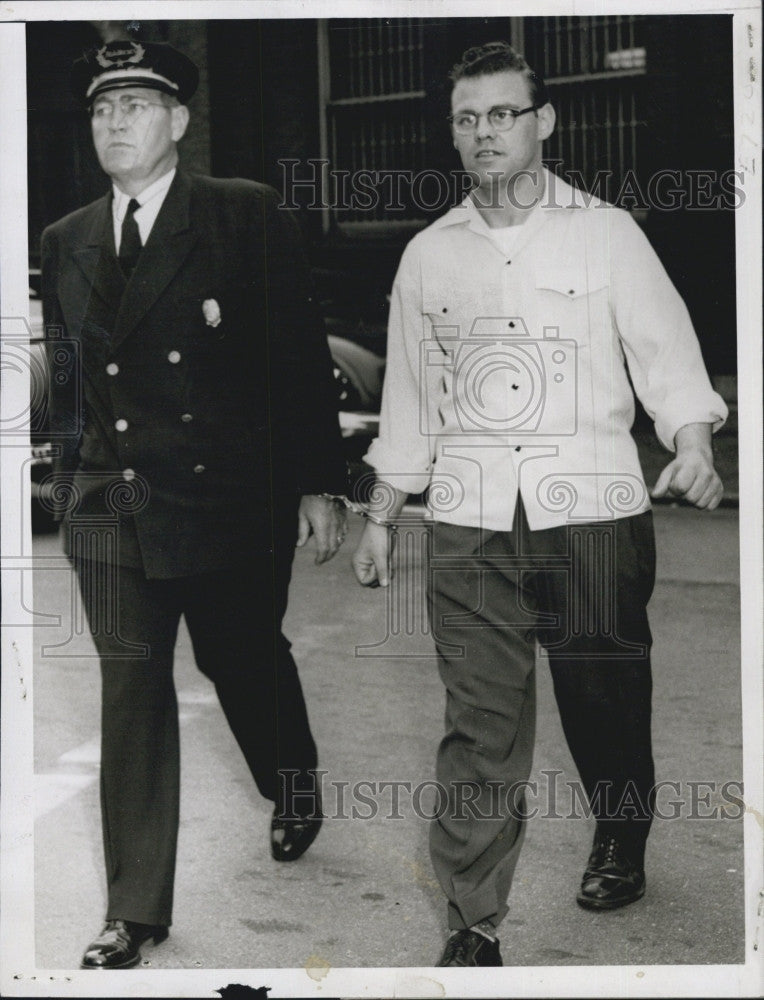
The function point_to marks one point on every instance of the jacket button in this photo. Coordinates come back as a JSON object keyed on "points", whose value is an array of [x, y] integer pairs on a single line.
{"points": [[128, 474], [112, 369], [173, 357], [121, 425], [198, 468], [186, 418]]}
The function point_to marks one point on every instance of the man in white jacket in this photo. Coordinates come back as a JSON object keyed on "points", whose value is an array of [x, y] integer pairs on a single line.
{"points": [[514, 320]]}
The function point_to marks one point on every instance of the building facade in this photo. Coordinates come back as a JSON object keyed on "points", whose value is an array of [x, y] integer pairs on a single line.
{"points": [[346, 117]]}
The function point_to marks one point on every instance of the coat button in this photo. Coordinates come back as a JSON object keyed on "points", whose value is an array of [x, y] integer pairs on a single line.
{"points": [[173, 357], [112, 369], [198, 468], [128, 474], [186, 418], [121, 425]]}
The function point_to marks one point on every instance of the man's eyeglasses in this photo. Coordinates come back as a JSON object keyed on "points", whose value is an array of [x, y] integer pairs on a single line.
{"points": [[502, 119], [129, 109]]}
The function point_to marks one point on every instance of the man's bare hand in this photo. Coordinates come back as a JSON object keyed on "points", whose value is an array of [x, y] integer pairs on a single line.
{"points": [[327, 520], [371, 560], [691, 475]]}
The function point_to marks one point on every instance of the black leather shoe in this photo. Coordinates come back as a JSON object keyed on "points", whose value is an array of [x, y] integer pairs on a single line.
{"points": [[290, 838], [118, 944], [468, 948], [611, 879]]}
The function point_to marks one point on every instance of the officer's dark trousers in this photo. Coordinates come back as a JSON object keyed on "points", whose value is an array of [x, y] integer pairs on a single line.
{"points": [[234, 619], [581, 590]]}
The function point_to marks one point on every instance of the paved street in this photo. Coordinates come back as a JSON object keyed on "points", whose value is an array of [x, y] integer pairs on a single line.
{"points": [[365, 895]]}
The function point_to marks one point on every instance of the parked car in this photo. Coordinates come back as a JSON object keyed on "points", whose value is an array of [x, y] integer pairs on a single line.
{"points": [[42, 518]]}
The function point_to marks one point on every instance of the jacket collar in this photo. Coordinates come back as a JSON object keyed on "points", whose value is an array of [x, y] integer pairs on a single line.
{"points": [[558, 196]]}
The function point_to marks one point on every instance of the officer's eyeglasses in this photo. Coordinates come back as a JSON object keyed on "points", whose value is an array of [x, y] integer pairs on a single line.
{"points": [[502, 119], [129, 109]]}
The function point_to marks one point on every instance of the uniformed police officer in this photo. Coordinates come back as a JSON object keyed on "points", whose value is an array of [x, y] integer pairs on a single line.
{"points": [[191, 395]]}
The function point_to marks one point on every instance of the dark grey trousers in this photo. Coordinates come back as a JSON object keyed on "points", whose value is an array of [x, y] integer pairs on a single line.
{"points": [[582, 591]]}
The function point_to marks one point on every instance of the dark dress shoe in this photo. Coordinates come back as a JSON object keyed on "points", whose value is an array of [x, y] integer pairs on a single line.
{"points": [[118, 944], [290, 838], [468, 948], [611, 879]]}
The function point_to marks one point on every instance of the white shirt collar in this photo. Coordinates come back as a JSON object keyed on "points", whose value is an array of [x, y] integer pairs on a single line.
{"points": [[557, 194], [156, 190]]}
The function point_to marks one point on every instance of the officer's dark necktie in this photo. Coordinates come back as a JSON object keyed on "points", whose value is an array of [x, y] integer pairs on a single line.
{"points": [[130, 244]]}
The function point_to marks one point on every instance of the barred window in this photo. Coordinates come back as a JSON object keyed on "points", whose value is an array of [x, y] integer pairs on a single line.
{"points": [[376, 109], [373, 105], [594, 68]]}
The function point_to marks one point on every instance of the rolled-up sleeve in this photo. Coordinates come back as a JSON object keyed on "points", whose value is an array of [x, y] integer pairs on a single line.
{"points": [[661, 348], [403, 453]]}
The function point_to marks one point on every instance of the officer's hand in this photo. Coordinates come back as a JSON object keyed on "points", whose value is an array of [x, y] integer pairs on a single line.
{"points": [[371, 560], [327, 520], [691, 475]]}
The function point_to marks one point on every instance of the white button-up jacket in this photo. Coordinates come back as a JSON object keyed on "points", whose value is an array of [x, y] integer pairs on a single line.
{"points": [[509, 374]]}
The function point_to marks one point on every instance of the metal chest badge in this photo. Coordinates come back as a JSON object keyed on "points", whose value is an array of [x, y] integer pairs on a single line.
{"points": [[211, 311]]}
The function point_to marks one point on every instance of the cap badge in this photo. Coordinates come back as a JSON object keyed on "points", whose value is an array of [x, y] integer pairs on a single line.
{"points": [[113, 57]]}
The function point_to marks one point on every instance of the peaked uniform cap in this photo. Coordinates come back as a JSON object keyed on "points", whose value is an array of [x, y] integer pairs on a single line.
{"points": [[155, 65]]}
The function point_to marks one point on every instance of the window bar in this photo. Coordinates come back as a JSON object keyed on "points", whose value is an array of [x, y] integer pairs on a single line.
{"points": [[593, 45], [569, 29], [594, 131], [422, 140], [401, 143], [575, 130], [351, 62], [583, 35], [633, 129], [621, 130], [380, 56], [420, 40], [557, 28], [390, 50], [370, 53], [376, 156], [411, 52], [358, 55], [584, 138], [354, 44], [399, 35], [608, 128]]}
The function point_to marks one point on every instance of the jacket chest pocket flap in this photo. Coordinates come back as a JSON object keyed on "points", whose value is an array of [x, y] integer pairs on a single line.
{"points": [[572, 281]]}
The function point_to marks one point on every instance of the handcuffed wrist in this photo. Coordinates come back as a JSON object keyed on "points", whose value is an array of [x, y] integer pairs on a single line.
{"points": [[357, 508], [382, 522]]}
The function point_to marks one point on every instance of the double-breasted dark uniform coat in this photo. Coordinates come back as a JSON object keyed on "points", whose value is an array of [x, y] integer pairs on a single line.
{"points": [[192, 405]]}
